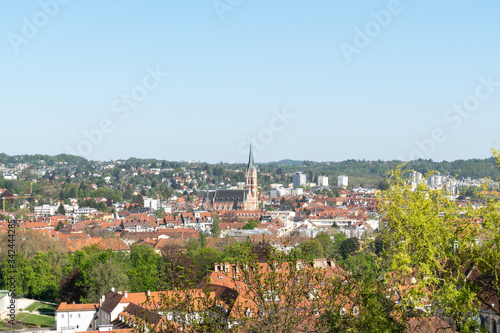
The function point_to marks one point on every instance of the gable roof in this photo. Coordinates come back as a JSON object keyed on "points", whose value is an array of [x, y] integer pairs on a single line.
{"points": [[77, 307]]}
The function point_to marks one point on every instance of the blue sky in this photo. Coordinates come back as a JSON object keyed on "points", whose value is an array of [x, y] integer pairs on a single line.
{"points": [[323, 80]]}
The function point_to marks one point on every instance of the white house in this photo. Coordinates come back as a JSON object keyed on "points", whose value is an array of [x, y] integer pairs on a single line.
{"points": [[79, 316]]}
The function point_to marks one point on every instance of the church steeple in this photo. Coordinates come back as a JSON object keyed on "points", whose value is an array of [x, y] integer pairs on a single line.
{"points": [[251, 183], [251, 164]]}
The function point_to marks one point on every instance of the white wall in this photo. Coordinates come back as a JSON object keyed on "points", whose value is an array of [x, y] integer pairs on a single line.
{"points": [[79, 319]]}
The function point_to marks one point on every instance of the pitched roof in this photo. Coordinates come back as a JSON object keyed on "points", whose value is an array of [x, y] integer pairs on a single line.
{"points": [[77, 307], [228, 195]]}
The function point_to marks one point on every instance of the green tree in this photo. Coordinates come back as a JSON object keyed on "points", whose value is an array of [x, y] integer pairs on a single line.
{"points": [[348, 247], [432, 245], [144, 271], [251, 225], [338, 238], [104, 276], [61, 210], [59, 225], [202, 238], [326, 244], [312, 249], [216, 227]]}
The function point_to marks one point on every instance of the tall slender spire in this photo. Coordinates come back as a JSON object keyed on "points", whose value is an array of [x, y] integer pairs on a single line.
{"points": [[251, 164]]}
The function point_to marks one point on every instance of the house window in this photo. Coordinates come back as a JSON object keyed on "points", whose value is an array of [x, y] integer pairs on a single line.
{"points": [[248, 313], [62, 316], [342, 311], [71, 316], [355, 311]]}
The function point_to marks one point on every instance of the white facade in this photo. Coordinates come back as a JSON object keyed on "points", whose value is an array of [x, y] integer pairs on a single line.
{"points": [[436, 181], [85, 211], [152, 203], [297, 191], [45, 210], [81, 319], [343, 181], [322, 181], [299, 179], [48, 210], [416, 178], [280, 192]]}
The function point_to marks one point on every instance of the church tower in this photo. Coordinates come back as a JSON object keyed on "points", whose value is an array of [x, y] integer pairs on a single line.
{"points": [[251, 183]]}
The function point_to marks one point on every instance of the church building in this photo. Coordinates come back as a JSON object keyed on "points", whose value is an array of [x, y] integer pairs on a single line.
{"points": [[246, 199]]}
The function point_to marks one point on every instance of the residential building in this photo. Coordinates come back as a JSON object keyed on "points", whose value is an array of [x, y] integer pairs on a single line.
{"points": [[85, 211], [80, 316], [343, 181], [415, 178], [45, 210], [152, 203], [299, 179], [322, 181]]}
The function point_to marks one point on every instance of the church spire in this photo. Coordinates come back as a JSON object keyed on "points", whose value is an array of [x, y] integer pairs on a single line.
{"points": [[251, 164]]}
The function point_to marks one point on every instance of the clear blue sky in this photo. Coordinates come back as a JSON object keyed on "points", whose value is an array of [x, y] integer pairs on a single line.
{"points": [[65, 70]]}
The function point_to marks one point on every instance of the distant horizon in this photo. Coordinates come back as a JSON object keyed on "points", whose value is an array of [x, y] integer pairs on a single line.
{"points": [[245, 162]]}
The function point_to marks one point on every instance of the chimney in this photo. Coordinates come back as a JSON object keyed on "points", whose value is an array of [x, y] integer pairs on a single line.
{"points": [[126, 294], [149, 293], [113, 289], [215, 268]]}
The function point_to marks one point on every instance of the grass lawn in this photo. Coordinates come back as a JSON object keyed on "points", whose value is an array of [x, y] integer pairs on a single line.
{"points": [[41, 307], [33, 306], [39, 320], [21, 316], [47, 309]]}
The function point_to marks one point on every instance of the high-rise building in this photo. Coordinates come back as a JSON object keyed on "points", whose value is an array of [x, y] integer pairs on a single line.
{"points": [[299, 179], [322, 181], [343, 181], [415, 178]]}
